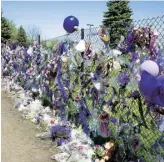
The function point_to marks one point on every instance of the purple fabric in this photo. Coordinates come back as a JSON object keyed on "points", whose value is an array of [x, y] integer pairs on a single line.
{"points": [[59, 82]]}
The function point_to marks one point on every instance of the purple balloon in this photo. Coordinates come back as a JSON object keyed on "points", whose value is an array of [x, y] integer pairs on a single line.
{"points": [[160, 62], [152, 88], [158, 98], [69, 24], [160, 79], [147, 85]]}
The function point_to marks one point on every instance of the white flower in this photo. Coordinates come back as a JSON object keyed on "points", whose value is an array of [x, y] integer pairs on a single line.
{"points": [[116, 65], [60, 157], [92, 75], [38, 77], [22, 107], [116, 52], [47, 81], [81, 46], [49, 66], [65, 88], [30, 51], [144, 53], [138, 61], [47, 119], [97, 85], [34, 90], [155, 33], [35, 106], [64, 58], [11, 52], [40, 92], [10, 61]]}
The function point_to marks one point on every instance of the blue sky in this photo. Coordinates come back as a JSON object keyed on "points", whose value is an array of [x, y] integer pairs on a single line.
{"points": [[49, 16]]}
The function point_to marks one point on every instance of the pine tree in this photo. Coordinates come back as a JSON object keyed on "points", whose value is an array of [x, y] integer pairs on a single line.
{"points": [[14, 30], [117, 18], [21, 37], [5, 29]]}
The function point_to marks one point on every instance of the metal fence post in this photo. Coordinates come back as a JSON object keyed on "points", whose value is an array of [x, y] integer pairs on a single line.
{"points": [[82, 55], [39, 39]]}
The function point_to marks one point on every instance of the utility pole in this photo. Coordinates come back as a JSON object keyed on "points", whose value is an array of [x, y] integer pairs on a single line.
{"points": [[90, 26]]}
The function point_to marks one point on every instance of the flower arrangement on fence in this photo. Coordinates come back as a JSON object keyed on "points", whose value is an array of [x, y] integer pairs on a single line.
{"points": [[116, 101]]}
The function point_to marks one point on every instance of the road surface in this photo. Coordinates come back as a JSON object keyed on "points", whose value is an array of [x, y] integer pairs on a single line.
{"points": [[18, 142]]}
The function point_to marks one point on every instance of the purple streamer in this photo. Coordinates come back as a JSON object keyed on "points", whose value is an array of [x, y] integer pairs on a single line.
{"points": [[59, 82]]}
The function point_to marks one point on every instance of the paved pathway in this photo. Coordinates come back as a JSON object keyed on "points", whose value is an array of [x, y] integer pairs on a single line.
{"points": [[18, 142]]}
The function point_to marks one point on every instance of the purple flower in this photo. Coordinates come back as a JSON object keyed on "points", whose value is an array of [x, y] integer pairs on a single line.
{"points": [[114, 120], [60, 131], [13, 45], [88, 54], [109, 102], [123, 78], [134, 95], [134, 57], [61, 141], [15, 65], [94, 77]]}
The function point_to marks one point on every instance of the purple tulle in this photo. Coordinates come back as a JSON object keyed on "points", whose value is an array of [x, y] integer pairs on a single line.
{"points": [[84, 113], [61, 49], [59, 82]]}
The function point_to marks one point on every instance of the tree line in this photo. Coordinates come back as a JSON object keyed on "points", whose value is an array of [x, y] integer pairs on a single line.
{"points": [[117, 18], [9, 32]]}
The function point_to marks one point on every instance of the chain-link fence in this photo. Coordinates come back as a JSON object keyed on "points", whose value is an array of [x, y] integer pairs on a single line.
{"points": [[157, 24], [135, 112], [91, 35], [84, 88]]}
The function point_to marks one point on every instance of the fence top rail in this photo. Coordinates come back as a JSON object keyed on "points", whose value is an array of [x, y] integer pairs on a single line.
{"points": [[134, 22]]}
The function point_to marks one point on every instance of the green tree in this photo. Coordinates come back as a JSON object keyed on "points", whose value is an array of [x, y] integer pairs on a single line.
{"points": [[5, 29], [22, 37], [43, 43], [14, 30], [117, 18]]}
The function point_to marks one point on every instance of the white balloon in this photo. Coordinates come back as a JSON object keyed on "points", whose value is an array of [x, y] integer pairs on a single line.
{"points": [[151, 67]]}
